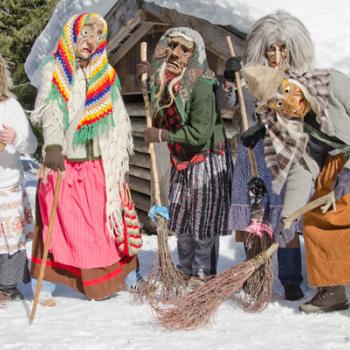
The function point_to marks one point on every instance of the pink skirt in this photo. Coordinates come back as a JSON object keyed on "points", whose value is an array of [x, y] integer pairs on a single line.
{"points": [[79, 237]]}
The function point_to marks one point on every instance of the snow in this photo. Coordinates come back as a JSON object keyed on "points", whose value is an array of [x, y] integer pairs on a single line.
{"points": [[119, 323], [327, 21]]}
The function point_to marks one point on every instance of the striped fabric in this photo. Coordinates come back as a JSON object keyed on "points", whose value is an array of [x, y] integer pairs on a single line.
{"points": [[79, 237], [200, 197]]}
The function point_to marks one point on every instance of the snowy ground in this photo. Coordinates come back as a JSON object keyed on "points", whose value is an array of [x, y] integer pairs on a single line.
{"points": [[118, 323]]}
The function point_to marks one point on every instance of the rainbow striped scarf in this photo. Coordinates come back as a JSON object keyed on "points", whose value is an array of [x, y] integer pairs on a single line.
{"points": [[102, 80]]}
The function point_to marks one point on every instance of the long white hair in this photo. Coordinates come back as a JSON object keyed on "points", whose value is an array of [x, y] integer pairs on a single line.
{"points": [[5, 81], [286, 29]]}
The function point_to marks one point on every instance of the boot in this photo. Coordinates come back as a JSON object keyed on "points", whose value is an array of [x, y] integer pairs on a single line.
{"points": [[293, 292], [13, 294], [327, 299]]}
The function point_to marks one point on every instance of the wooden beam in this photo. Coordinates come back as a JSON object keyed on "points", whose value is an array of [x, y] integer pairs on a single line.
{"points": [[213, 35], [129, 44], [141, 173], [140, 160], [140, 145], [142, 201], [124, 32], [135, 109]]}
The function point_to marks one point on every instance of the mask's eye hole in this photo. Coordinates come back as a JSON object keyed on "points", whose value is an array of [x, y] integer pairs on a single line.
{"points": [[287, 90], [85, 32]]}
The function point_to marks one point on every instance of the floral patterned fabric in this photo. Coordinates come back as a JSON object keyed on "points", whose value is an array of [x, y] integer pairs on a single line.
{"points": [[16, 220]]}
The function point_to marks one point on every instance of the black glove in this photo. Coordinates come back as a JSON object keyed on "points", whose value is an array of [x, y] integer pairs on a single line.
{"points": [[342, 183], [251, 136], [54, 158], [257, 189], [233, 65]]}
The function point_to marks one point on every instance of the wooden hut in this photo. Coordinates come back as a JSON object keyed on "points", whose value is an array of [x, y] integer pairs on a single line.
{"points": [[131, 22]]}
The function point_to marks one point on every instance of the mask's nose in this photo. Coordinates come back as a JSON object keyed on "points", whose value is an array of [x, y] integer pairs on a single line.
{"points": [[278, 56]]}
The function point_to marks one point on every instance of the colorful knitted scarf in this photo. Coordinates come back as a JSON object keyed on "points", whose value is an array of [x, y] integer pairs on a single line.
{"points": [[101, 80]]}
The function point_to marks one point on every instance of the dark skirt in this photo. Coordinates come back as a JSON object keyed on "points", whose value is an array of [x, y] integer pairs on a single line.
{"points": [[14, 269], [200, 197]]}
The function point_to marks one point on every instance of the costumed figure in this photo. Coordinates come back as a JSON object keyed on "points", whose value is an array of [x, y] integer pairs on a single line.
{"points": [[275, 40], [16, 221], [186, 117], [308, 132], [87, 135]]}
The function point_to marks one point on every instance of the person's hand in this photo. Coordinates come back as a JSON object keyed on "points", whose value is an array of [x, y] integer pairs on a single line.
{"points": [[233, 65], [342, 184], [156, 135], [143, 67], [54, 159], [283, 236], [7, 135], [251, 136]]}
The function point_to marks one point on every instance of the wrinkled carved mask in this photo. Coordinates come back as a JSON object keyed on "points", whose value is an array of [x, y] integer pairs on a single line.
{"points": [[179, 54], [88, 39], [290, 100], [276, 55]]}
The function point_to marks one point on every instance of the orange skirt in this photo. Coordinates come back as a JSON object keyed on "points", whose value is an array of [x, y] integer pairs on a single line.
{"points": [[327, 236]]}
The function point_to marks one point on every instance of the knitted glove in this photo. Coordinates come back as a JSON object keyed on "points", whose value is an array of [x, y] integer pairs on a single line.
{"points": [[282, 236], [156, 135], [233, 65], [54, 158], [143, 67], [342, 183], [251, 136]]}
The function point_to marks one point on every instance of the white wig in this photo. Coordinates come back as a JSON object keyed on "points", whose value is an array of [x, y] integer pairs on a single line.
{"points": [[281, 27]]}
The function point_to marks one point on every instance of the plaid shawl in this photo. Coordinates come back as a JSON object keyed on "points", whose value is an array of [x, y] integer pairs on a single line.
{"points": [[284, 145], [285, 142]]}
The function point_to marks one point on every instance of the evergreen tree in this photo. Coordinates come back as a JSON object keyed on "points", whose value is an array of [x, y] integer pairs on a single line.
{"points": [[21, 22]]}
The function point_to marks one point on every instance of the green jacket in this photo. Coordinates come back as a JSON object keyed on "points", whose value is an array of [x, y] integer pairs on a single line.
{"points": [[204, 128]]}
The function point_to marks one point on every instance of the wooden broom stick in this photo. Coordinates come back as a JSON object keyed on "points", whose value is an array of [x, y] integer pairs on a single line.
{"points": [[154, 167], [46, 246], [252, 161]]}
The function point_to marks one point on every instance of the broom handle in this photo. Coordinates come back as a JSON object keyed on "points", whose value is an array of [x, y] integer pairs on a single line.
{"points": [[252, 161], [154, 168], [46, 246], [328, 198]]}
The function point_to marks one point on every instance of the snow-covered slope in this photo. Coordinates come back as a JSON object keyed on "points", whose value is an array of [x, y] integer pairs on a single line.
{"points": [[328, 22], [119, 323]]}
